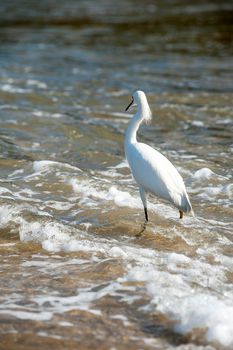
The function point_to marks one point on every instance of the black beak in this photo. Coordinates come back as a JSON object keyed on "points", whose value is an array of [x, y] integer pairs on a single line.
{"points": [[129, 105]]}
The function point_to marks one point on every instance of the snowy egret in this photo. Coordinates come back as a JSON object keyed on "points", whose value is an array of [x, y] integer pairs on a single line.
{"points": [[153, 172]]}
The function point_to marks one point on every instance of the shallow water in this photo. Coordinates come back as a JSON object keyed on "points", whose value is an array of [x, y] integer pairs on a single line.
{"points": [[74, 272]]}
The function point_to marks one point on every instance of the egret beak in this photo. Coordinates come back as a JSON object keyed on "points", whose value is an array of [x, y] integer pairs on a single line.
{"points": [[129, 105]]}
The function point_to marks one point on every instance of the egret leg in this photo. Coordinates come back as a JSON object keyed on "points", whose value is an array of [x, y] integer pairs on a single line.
{"points": [[144, 201], [181, 214]]}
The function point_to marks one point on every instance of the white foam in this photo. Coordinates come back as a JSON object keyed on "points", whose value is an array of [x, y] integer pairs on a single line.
{"points": [[89, 190], [203, 174], [46, 165], [45, 334], [16, 173], [59, 205], [43, 114], [207, 311], [175, 258], [120, 198], [217, 192], [197, 123], [117, 252], [7, 213], [50, 233], [26, 315], [4, 190], [11, 107], [227, 261], [37, 83], [122, 165], [65, 324], [7, 244], [40, 165], [122, 318], [228, 189], [13, 89], [82, 301], [225, 120], [52, 265], [191, 309]]}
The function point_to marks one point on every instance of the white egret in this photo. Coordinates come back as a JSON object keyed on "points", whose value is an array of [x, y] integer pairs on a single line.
{"points": [[153, 172]]}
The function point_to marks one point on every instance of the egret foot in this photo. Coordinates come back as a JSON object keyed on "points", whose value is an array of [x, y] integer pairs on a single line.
{"points": [[181, 214], [142, 229]]}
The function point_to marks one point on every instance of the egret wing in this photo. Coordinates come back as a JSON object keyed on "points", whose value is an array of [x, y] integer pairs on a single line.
{"points": [[156, 174]]}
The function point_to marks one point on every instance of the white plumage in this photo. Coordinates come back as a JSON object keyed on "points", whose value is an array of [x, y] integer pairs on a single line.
{"points": [[152, 171]]}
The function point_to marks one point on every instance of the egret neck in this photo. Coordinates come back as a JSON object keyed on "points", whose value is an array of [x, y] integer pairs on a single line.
{"points": [[143, 113]]}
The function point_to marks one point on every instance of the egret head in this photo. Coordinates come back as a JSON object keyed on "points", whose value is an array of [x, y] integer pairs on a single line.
{"points": [[139, 99]]}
